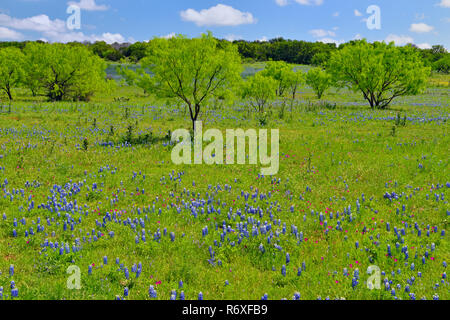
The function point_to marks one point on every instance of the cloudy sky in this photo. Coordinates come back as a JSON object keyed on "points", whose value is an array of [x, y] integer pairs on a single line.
{"points": [[423, 22]]}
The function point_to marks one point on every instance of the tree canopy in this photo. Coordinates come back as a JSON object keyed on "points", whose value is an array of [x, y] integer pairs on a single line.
{"points": [[11, 69], [191, 70], [259, 90], [380, 71], [66, 71], [318, 80]]}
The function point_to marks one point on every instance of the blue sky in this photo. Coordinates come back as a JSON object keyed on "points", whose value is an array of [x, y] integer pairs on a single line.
{"points": [[423, 22]]}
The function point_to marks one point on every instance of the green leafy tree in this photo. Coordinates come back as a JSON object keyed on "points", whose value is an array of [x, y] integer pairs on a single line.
{"points": [[319, 80], [294, 80], [105, 51], [442, 65], [380, 71], [33, 68], [259, 90], [11, 69], [67, 71], [278, 70], [136, 51], [191, 70]]}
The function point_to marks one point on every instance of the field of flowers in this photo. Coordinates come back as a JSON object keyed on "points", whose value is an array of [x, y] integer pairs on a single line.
{"points": [[356, 188]]}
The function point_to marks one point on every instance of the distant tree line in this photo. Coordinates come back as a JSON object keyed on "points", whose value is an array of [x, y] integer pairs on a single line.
{"points": [[278, 49]]}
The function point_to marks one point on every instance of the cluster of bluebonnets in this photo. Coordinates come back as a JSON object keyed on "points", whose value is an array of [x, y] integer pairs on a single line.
{"points": [[69, 218], [235, 217]]}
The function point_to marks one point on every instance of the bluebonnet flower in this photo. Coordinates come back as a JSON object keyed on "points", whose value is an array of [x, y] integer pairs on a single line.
{"points": [[288, 258], [200, 296], [127, 273], [354, 282], [14, 293], [226, 282], [125, 292], [283, 270], [265, 297], [172, 236], [152, 292], [182, 297], [11, 270], [105, 260], [180, 284], [90, 270]]}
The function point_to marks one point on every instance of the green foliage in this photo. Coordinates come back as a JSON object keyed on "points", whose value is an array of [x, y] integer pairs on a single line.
{"points": [[190, 70], [294, 79], [106, 51], [442, 65], [319, 80], [290, 51], [66, 72], [11, 69], [279, 71], [136, 51], [380, 71], [259, 90]]}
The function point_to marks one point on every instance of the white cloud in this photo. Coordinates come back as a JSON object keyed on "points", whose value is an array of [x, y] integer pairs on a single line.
{"points": [[281, 3], [420, 28], [81, 37], [357, 13], [336, 14], [88, 5], [357, 37], [320, 33], [169, 36], [8, 34], [263, 39], [399, 40], [330, 40], [309, 2], [53, 30], [41, 23], [445, 3], [424, 46], [232, 37], [220, 15]]}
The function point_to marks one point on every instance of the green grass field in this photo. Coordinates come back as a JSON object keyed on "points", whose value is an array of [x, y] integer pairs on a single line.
{"points": [[327, 207]]}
